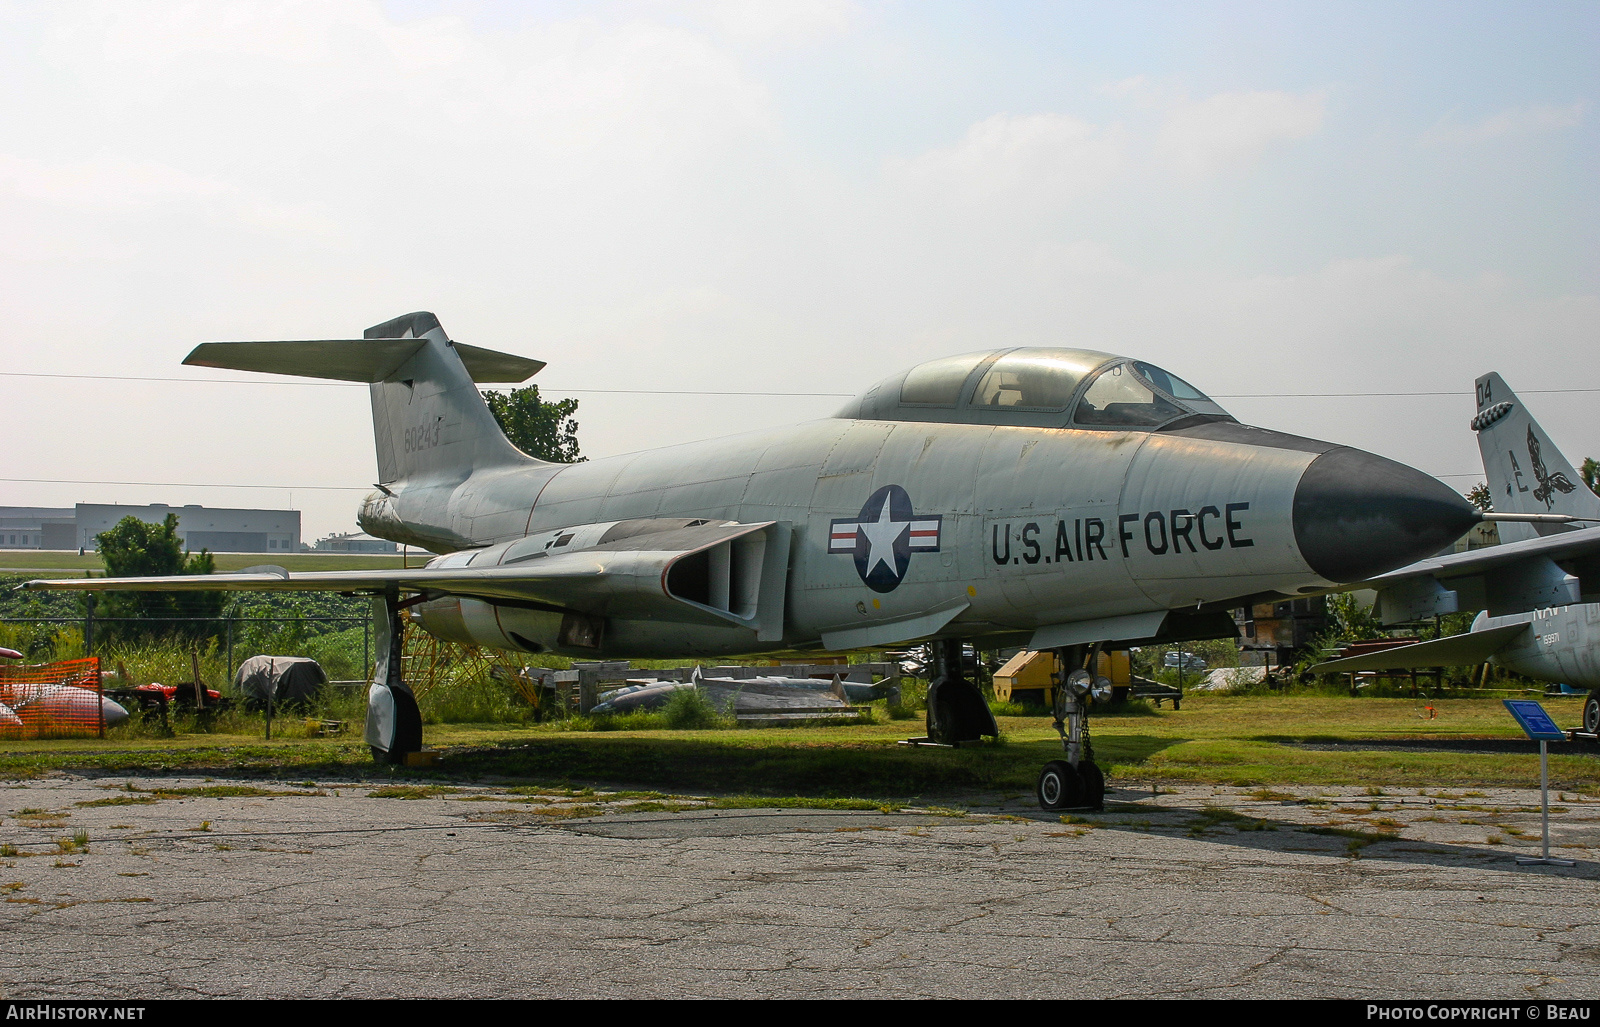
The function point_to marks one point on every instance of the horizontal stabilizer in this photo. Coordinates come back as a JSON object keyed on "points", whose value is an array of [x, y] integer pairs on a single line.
{"points": [[1454, 651], [354, 360]]}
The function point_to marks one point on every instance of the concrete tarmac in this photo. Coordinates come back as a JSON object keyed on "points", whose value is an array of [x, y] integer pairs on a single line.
{"points": [[350, 891]]}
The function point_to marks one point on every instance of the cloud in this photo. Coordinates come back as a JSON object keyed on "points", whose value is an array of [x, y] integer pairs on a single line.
{"points": [[110, 182], [1537, 119], [614, 188], [1231, 130], [791, 22], [1038, 159], [103, 188]]}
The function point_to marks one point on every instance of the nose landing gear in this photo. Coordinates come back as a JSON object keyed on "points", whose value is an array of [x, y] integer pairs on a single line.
{"points": [[1060, 787], [1075, 782]]}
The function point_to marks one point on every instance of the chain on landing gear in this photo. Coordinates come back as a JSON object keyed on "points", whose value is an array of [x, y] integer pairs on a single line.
{"points": [[1077, 781]]}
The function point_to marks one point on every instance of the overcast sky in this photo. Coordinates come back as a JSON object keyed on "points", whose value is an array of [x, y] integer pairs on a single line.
{"points": [[1269, 199]]}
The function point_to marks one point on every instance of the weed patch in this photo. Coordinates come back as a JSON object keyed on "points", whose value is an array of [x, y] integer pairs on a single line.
{"points": [[79, 842], [120, 800], [687, 709], [411, 792], [1355, 840], [802, 802]]}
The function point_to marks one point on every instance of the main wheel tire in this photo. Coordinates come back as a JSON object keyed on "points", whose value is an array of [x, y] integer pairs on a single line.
{"points": [[1094, 785], [1060, 787], [1591, 713], [407, 727]]}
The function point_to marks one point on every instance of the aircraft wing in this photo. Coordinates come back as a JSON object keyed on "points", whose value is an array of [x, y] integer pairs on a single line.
{"points": [[1453, 651], [1508, 578], [654, 576], [559, 575], [1568, 545]]}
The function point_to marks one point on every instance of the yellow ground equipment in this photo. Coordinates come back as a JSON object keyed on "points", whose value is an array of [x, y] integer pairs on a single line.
{"points": [[1028, 677]]}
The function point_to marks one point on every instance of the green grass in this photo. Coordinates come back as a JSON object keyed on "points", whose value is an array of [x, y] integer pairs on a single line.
{"points": [[1212, 740]]}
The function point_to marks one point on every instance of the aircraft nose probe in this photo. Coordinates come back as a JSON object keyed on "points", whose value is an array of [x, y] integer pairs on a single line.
{"points": [[1357, 515]]}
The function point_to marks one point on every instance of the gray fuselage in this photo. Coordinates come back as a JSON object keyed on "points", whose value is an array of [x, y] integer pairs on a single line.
{"points": [[1035, 526]]}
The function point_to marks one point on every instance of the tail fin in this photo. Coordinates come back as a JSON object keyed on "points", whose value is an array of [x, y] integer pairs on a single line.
{"points": [[428, 418], [1525, 471]]}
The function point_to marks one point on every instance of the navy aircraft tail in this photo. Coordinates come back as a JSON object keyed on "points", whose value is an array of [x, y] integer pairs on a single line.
{"points": [[429, 421], [1525, 471]]}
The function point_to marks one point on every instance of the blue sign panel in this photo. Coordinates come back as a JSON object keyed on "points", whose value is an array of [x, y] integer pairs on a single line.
{"points": [[1534, 720]]}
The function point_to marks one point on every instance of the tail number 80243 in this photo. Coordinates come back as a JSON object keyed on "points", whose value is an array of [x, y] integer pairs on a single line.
{"points": [[423, 436]]}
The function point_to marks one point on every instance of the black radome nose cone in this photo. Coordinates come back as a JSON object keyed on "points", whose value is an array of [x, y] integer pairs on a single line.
{"points": [[1357, 515]]}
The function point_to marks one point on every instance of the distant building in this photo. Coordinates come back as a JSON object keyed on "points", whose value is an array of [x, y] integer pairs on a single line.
{"points": [[37, 527], [200, 527], [355, 542]]}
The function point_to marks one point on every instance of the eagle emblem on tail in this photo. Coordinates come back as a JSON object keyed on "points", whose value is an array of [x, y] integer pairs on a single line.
{"points": [[1549, 484]]}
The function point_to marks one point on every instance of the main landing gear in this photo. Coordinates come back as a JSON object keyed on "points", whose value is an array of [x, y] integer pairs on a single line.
{"points": [[1075, 782], [956, 709], [394, 724]]}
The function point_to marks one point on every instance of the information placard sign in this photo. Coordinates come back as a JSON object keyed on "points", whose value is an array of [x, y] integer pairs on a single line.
{"points": [[1535, 721]]}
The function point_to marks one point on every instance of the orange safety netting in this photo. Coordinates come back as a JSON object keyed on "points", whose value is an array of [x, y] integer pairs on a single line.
{"points": [[55, 700]]}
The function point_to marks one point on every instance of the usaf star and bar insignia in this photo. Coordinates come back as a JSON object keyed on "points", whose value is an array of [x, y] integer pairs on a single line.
{"points": [[883, 537]]}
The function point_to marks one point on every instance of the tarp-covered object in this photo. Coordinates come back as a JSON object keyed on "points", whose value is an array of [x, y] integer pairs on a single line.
{"points": [[285, 679]]}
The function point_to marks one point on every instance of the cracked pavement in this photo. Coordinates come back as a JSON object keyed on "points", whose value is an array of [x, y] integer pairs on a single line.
{"points": [[487, 892]]}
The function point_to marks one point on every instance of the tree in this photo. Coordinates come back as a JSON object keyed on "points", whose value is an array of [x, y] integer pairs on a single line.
{"points": [[539, 428], [1590, 471], [136, 548], [1481, 497]]}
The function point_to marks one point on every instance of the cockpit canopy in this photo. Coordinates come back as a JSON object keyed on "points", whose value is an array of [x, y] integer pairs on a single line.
{"points": [[1043, 388]]}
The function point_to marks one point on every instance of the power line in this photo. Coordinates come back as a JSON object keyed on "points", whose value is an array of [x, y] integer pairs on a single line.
{"points": [[699, 392], [710, 392], [317, 488], [191, 484], [181, 381], [357, 385]]}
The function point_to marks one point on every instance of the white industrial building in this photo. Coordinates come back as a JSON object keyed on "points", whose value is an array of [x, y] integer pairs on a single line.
{"points": [[200, 527], [37, 527], [355, 542]]}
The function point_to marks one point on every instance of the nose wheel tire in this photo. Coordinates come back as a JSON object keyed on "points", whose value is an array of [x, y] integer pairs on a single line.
{"points": [[1591, 713], [1060, 787], [1094, 785]]}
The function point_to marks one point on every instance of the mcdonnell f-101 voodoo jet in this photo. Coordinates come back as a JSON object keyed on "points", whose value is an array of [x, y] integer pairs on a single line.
{"points": [[1062, 499]]}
